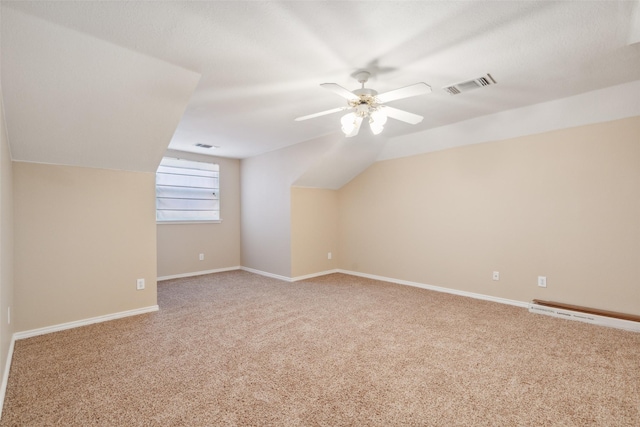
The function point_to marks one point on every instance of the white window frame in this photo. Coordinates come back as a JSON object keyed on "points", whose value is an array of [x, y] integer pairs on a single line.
{"points": [[187, 191]]}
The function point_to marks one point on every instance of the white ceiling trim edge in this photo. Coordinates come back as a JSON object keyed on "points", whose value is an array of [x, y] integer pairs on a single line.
{"points": [[612, 103]]}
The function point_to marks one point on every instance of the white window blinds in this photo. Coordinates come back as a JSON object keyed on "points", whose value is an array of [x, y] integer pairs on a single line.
{"points": [[187, 191]]}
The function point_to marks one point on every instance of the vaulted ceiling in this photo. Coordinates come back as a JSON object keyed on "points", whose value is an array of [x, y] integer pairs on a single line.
{"points": [[112, 84]]}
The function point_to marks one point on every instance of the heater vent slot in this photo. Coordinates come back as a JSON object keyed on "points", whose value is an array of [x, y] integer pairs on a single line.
{"points": [[204, 146], [468, 85]]}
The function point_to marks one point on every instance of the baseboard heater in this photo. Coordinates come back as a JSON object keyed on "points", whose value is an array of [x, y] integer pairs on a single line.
{"points": [[612, 319]]}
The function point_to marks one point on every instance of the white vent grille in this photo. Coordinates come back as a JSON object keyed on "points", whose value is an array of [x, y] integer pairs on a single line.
{"points": [[468, 85]]}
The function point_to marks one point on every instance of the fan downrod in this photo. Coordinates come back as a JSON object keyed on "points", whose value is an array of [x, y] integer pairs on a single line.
{"points": [[362, 77]]}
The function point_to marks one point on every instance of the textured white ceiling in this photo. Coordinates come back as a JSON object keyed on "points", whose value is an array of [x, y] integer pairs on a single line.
{"points": [[131, 66]]}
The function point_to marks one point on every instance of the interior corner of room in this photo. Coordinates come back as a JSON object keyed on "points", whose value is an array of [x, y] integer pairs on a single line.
{"points": [[546, 188]]}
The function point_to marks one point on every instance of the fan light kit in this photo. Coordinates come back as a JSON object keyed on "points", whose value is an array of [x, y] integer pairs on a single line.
{"points": [[367, 103]]}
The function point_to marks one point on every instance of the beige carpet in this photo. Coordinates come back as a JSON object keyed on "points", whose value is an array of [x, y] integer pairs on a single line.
{"points": [[239, 349]]}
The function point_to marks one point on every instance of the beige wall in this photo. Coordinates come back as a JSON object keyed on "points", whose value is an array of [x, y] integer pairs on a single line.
{"points": [[82, 238], [179, 245], [6, 244], [563, 204], [314, 230]]}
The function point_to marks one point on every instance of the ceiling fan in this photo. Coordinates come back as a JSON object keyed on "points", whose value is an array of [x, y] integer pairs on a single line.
{"points": [[367, 103]]}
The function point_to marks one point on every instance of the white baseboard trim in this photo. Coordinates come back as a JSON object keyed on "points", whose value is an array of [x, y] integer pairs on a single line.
{"points": [[5, 375], [84, 322], [197, 273], [595, 319], [439, 289], [290, 279], [391, 280], [311, 276], [267, 274]]}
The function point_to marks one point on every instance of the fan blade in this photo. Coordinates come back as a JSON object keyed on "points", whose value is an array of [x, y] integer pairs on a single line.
{"points": [[339, 90], [403, 116], [322, 113], [404, 92]]}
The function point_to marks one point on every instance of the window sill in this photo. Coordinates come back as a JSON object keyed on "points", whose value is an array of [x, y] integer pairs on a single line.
{"points": [[217, 221]]}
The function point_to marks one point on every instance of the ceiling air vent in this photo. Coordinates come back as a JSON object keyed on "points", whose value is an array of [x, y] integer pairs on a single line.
{"points": [[469, 85], [204, 146]]}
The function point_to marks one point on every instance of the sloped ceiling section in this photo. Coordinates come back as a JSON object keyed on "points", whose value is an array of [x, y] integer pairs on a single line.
{"points": [[346, 159], [634, 26], [76, 100], [85, 82], [612, 103]]}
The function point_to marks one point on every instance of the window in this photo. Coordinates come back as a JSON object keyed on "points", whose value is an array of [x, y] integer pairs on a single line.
{"points": [[187, 191]]}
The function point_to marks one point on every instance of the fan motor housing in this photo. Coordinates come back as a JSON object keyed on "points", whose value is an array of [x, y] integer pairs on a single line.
{"points": [[365, 91], [367, 97]]}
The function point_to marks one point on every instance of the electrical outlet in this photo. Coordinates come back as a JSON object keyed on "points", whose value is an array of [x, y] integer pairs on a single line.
{"points": [[140, 284], [201, 257], [329, 255], [542, 281], [496, 275]]}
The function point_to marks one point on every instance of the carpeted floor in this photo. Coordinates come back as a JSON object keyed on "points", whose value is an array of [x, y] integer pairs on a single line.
{"points": [[240, 349]]}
